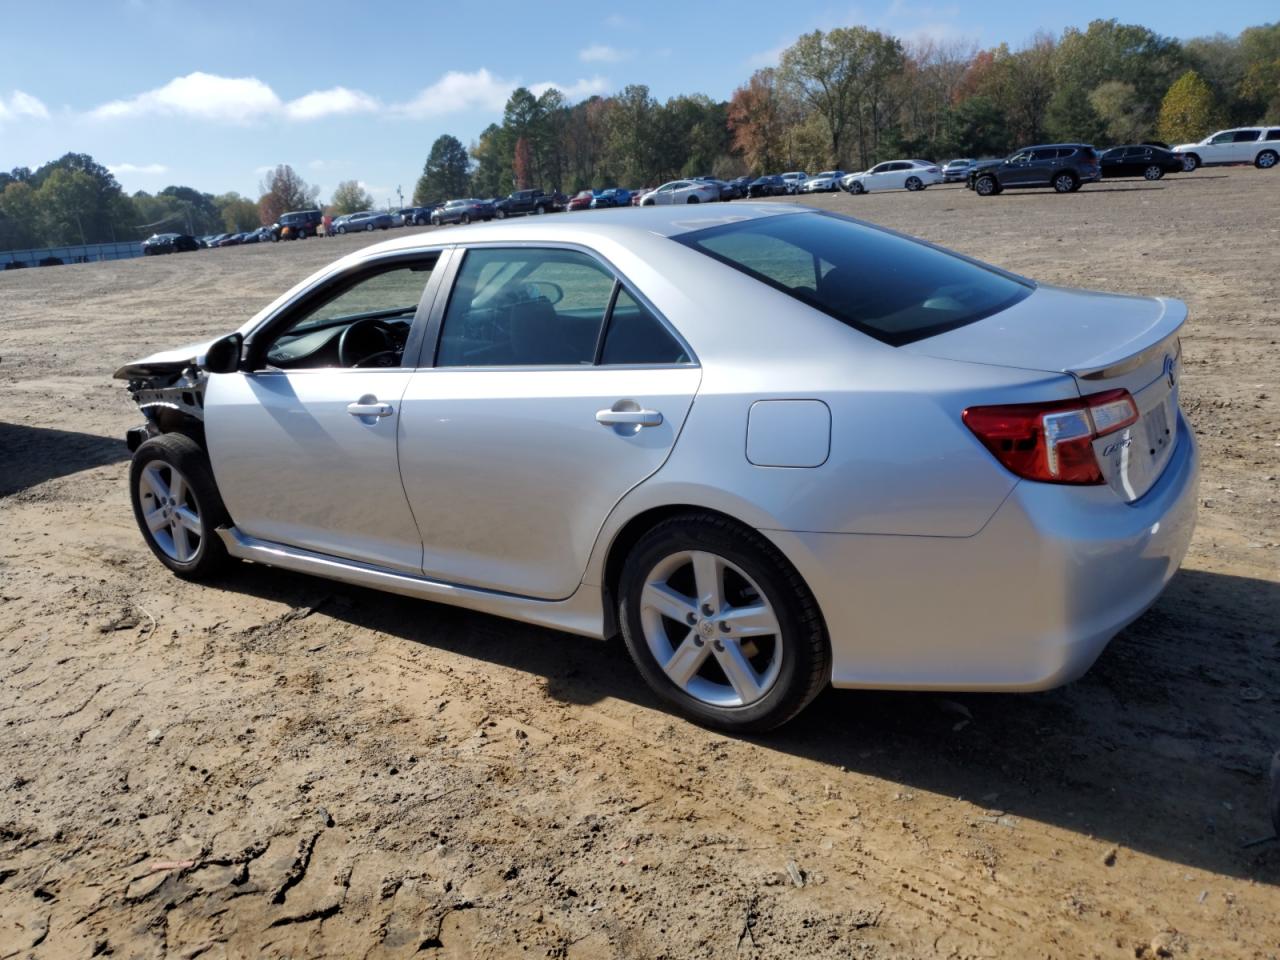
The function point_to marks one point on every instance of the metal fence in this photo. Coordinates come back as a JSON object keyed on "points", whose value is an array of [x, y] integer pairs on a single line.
{"points": [[73, 253]]}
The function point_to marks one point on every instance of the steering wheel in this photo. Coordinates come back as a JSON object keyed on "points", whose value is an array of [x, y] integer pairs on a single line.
{"points": [[367, 340]]}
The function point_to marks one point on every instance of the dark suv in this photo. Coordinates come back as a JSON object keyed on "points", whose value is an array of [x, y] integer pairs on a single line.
{"points": [[528, 202], [299, 223], [1062, 166]]}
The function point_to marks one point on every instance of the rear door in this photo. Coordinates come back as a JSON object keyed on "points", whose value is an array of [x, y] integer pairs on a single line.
{"points": [[1244, 146], [554, 389]]}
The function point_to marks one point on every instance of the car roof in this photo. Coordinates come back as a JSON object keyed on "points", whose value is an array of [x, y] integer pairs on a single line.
{"points": [[614, 223]]}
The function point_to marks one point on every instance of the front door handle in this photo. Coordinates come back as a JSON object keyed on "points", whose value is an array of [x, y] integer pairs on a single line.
{"points": [[370, 406], [632, 418]]}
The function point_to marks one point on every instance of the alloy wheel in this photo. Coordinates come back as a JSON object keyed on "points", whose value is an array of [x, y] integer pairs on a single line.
{"points": [[170, 511], [1153, 172], [1064, 183], [1266, 160], [711, 629]]}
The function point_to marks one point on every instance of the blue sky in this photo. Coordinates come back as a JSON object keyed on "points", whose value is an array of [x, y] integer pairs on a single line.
{"points": [[210, 94]]}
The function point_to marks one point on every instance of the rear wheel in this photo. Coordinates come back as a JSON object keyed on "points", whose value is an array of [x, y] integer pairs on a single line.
{"points": [[538, 211], [177, 506], [1153, 172], [1266, 160], [914, 183], [986, 187], [720, 625], [1064, 183], [368, 228], [1190, 162], [342, 229]]}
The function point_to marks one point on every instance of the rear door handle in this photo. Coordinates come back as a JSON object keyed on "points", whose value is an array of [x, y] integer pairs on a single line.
{"points": [[369, 407], [639, 418]]}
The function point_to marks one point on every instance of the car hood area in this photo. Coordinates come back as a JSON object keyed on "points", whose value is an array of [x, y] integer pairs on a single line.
{"points": [[1060, 330], [166, 361]]}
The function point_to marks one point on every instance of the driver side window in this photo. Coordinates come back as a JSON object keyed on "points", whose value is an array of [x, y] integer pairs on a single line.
{"points": [[358, 321]]}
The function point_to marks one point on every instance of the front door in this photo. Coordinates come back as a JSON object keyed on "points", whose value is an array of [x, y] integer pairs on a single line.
{"points": [[1017, 170], [532, 425], [303, 441]]}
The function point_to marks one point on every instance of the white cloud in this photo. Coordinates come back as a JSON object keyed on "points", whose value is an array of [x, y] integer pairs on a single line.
{"points": [[457, 91], [19, 104], [207, 96], [324, 103], [601, 53], [578, 90], [138, 169], [767, 58]]}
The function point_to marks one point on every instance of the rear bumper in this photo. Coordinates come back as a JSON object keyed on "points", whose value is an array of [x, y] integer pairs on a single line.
{"points": [[1028, 603]]}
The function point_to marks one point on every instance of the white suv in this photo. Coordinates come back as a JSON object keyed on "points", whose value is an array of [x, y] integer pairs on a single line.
{"points": [[1257, 145], [794, 179]]}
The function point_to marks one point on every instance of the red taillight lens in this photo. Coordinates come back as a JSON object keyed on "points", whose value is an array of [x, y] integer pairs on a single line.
{"points": [[1052, 442]]}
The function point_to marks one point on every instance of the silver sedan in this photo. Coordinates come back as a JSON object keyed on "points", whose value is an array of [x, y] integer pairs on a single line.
{"points": [[775, 451], [681, 191]]}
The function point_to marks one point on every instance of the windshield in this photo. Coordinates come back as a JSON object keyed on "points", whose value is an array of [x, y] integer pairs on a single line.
{"points": [[890, 287]]}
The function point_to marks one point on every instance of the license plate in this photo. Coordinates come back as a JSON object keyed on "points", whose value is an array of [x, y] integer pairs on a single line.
{"points": [[1158, 435]]}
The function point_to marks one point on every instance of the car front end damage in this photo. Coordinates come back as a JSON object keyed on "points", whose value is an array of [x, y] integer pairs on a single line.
{"points": [[169, 390]]}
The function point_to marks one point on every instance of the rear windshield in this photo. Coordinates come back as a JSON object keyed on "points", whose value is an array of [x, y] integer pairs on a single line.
{"points": [[887, 286]]}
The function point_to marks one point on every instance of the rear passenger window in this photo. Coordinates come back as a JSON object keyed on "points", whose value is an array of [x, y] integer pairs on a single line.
{"points": [[1273, 134], [525, 307], [635, 335], [1247, 136]]}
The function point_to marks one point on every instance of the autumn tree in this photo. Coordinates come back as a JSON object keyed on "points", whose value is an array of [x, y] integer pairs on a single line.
{"points": [[522, 163], [758, 116], [1187, 110], [350, 197], [283, 190]]}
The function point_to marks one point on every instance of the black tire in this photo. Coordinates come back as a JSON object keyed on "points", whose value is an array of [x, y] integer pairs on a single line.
{"points": [[1266, 159], [180, 452], [1190, 163], [368, 228], [986, 186], [466, 218], [1065, 182], [914, 183], [805, 665], [857, 189], [342, 229], [1153, 172], [693, 200], [538, 211], [500, 214]]}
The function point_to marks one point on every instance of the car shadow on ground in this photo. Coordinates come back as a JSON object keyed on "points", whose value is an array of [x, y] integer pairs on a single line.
{"points": [[32, 455], [1189, 688]]}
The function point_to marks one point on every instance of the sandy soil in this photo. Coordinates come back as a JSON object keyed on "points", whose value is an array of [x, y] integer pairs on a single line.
{"points": [[280, 766]]}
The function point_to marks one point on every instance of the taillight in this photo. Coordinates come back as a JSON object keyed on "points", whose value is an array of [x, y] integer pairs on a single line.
{"points": [[1052, 442]]}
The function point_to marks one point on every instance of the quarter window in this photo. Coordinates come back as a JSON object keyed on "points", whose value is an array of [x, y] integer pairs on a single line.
{"points": [[636, 336], [1273, 134]]}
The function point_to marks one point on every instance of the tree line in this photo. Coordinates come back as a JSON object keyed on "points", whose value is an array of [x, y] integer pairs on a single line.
{"points": [[844, 98]]}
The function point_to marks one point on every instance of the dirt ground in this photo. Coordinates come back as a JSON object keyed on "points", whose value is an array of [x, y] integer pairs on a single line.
{"points": [[280, 766]]}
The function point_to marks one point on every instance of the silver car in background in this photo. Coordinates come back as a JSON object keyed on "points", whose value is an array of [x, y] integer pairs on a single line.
{"points": [[365, 220], [681, 191], [827, 181], [776, 449], [956, 171]]}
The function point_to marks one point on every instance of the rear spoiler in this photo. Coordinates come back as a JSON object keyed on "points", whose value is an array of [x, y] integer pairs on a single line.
{"points": [[1118, 361]]}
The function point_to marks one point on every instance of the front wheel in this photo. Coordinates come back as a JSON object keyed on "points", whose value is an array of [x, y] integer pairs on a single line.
{"points": [[466, 218], [693, 200], [342, 229], [1190, 162], [1153, 172], [720, 624], [857, 189], [985, 186], [177, 505], [1266, 160], [368, 228], [538, 211]]}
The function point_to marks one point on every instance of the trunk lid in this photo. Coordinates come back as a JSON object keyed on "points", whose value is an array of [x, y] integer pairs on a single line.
{"points": [[1105, 342]]}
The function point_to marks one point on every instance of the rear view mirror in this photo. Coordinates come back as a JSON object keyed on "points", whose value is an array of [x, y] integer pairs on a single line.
{"points": [[223, 356]]}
